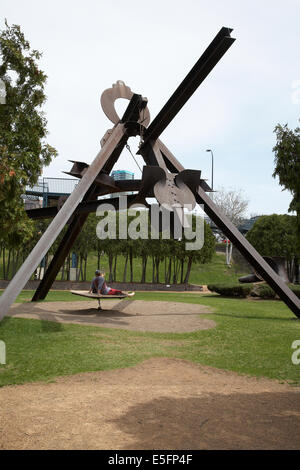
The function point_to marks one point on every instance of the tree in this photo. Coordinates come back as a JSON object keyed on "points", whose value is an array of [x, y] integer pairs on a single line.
{"points": [[233, 205], [287, 167], [202, 256], [23, 128], [85, 243], [275, 235]]}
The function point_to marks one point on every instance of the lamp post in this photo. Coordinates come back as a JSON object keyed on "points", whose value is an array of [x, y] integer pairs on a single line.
{"points": [[212, 168]]}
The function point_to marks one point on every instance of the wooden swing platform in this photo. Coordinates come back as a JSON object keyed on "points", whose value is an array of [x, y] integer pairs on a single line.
{"points": [[84, 293]]}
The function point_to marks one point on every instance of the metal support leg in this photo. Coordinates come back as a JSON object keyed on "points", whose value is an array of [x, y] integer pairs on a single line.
{"points": [[99, 304]]}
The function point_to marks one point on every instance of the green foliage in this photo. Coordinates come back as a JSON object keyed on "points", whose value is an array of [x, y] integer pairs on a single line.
{"points": [[295, 289], [287, 167], [274, 235], [23, 128], [231, 290], [170, 251], [264, 291], [287, 161]]}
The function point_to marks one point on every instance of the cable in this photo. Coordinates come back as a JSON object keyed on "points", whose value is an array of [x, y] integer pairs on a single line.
{"points": [[129, 150]]}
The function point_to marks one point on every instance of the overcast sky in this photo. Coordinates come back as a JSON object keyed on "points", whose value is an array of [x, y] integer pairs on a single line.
{"points": [[89, 45]]}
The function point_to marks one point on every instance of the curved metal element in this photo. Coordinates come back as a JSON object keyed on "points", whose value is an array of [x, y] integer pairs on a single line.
{"points": [[120, 90]]}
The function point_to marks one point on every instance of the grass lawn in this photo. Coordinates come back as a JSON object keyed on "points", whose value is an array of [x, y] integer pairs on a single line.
{"points": [[251, 337]]}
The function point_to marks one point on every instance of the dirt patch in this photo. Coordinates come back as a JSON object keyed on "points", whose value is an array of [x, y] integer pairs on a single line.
{"points": [[138, 315], [159, 404]]}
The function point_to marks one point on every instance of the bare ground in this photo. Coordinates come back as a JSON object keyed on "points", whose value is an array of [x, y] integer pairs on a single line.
{"points": [[138, 315], [159, 404]]}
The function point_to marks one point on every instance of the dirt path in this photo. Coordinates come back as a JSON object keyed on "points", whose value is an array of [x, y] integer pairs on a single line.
{"points": [[159, 404], [138, 315]]}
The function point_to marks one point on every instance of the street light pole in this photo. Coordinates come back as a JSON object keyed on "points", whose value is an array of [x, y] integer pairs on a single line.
{"points": [[212, 168]]}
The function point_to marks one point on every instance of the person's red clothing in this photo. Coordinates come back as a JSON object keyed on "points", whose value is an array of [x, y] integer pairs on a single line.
{"points": [[115, 292]]}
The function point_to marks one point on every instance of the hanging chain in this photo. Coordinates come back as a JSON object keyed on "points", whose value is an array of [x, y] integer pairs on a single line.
{"points": [[142, 128], [129, 150], [141, 138]]}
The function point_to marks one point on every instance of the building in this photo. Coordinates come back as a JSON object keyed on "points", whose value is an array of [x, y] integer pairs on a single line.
{"points": [[247, 225], [47, 191], [121, 175]]}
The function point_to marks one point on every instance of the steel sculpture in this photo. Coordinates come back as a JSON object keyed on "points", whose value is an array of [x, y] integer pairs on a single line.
{"points": [[163, 178]]}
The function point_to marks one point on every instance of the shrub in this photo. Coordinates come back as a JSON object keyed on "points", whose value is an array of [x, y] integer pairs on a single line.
{"points": [[231, 290], [264, 291], [295, 289]]}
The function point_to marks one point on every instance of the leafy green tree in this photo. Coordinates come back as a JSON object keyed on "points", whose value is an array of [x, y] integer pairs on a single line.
{"points": [[275, 235], [202, 256], [287, 167], [23, 128], [85, 243]]}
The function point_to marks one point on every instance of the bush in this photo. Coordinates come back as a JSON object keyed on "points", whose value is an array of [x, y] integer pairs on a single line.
{"points": [[295, 289], [231, 290], [264, 291]]}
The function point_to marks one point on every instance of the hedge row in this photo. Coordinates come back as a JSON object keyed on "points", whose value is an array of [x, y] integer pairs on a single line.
{"points": [[264, 291], [236, 290]]}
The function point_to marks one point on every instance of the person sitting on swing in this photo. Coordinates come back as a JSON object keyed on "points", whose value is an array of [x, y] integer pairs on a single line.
{"points": [[99, 286]]}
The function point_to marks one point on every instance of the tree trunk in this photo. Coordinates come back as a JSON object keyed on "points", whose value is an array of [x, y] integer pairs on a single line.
{"points": [[153, 270], [175, 273], [3, 257], [296, 271], [144, 268], [17, 260], [77, 268], [68, 267], [157, 263], [81, 268], [188, 271], [8, 264], [115, 269], [85, 263], [181, 271], [125, 268], [169, 271], [62, 271], [98, 257], [131, 267], [110, 263]]}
